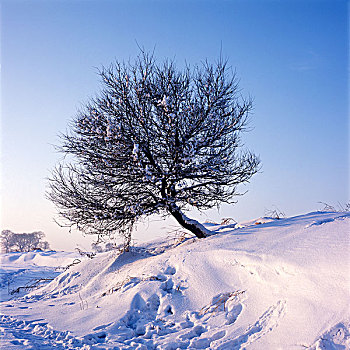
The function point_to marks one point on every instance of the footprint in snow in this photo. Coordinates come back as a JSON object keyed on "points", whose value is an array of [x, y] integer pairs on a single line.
{"points": [[265, 324], [170, 270], [102, 326], [168, 285], [233, 313], [224, 303], [193, 333], [199, 339], [338, 337], [35, 335]]}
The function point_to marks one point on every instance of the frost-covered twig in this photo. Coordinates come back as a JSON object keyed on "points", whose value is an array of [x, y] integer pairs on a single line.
{"points": [[275, 213], [134, 281], [90, 255], [65, 268], [228, 221], [83, 303], [340, 207], [34, 285]]}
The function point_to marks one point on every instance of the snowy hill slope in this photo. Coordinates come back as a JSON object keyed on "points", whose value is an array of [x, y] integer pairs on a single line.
{"points": [[24, 269], [282, 284]]}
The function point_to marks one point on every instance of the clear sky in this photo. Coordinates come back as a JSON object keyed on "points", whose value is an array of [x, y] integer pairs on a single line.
{"points": [[290, 56]]}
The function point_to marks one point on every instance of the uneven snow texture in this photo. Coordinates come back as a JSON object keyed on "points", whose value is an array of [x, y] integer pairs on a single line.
{"points": [[267, 284]]}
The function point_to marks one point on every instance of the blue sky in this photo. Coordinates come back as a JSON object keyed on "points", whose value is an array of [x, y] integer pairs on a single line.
{"points": [[290, 56]]}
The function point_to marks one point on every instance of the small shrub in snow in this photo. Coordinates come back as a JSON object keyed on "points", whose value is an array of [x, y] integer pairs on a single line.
{"points": [[228, 221], [339, 207], [275, 214], [84, 253], [99, 247]]}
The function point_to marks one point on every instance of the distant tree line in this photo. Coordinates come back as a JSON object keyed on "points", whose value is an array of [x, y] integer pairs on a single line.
{"points": [[22, 242]]}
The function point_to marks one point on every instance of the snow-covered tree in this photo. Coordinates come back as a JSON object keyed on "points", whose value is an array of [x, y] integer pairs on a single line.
{"points": [[156, 140], [22, 242], [6, 240]]}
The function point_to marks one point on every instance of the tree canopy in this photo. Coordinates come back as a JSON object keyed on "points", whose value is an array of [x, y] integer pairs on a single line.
{"points": [[156, 140]]}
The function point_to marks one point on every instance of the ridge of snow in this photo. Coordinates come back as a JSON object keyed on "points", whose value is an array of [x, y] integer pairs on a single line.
{"points": [[278, 284]]}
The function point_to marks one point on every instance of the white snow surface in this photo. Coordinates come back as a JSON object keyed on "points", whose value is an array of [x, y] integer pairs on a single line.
{"points": [[266, 284]]}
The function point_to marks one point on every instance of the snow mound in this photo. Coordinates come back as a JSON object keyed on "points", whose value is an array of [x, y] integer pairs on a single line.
{"points": [[40, 258], [22, 272], [279, 284]]}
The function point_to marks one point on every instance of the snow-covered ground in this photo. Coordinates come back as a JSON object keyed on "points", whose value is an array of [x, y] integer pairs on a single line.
{"points": [[266, 284]]}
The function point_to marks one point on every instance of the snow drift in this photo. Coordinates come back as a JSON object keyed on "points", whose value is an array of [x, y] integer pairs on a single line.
{"points": [[267, 284]]}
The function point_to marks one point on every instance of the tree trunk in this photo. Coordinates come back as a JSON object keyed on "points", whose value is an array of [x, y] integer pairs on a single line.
{"points": [[192, 225]]}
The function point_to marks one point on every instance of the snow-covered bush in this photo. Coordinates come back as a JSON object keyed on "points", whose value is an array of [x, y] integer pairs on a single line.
{"points": [[157, 140], [22, 242], [99, 247], [338, 207], [275, 213]]}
